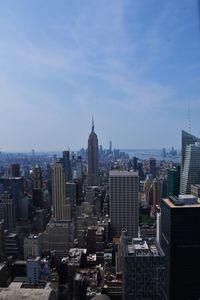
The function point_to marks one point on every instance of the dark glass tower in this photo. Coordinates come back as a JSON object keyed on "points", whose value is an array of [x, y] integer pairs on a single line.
{"points": [[173, 181], [67, 165], [180, 241], [152, 166], [93, 158], [37, 177]]}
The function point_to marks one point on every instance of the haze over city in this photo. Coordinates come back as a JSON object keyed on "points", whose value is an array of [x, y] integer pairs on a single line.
{"points": [[133, 65]]}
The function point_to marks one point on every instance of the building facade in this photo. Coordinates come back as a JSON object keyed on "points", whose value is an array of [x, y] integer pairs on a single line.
{"points": [[191, 168], [143, 270], [173, 181], [187, 139], [180, 241], [124, 202], [7, 211], [152, 166], [59, 191]]}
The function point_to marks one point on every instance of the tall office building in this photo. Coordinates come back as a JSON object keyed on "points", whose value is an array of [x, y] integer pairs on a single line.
{"points": [[1, 240], [143, 269], [59, 191], [110, 147], [37, 177], [32, 246], [67, 165], [93, 158], [15, 186], [59, 237], [72, 193], [152, 166], [7, 211], [33, 271], [79, 168], [140, 170], [15, 170], [180, 241], [187, 139], [124, 202], [173, 181], [191, 168]]}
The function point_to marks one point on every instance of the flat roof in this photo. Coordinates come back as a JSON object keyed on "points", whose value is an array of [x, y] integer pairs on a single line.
{"points": [[172, 205], [141, 247], [14, 291], [116, 173]]}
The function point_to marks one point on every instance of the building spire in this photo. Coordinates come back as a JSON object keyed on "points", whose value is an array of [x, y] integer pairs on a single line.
{"points": [[92, 124], [189, 121]]}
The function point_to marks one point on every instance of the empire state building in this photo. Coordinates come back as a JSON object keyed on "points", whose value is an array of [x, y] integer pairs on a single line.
{"points": [[93, 158]]}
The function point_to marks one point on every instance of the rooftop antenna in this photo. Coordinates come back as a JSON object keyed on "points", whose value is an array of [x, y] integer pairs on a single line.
{"points": [[189, 124], [92, 124]]}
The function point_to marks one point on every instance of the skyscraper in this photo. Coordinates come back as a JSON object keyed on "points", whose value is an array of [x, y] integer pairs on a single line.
{"points": [[59, 191], [93, 158], [15, 170], [7, 211], [110, 147], [67, 165], [187, 139], [143, 269], [180, 241], [124, 202], [152, 166], [173, 181], [191, 168], [37, 177]]}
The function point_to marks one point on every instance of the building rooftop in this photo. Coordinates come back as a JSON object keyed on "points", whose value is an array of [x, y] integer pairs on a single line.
{"points": [[92, 257], [185, 201], [117, 173], [14, 291], [101, 297], [141, 247], [75, 255], [197, 185]]}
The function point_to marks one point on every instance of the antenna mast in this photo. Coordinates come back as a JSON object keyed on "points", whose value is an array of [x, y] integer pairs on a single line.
{"points": [[189, 124]]}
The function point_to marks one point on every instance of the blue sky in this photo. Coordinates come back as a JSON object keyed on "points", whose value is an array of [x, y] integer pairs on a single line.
{"points": [[132, 64]]}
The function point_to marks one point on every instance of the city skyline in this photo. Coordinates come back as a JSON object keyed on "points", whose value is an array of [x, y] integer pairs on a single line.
{"points": [[134, 65]]}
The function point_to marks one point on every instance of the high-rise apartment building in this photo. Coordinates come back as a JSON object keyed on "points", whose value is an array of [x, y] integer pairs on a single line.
{"points": [[93, 158], [191, 168], [180, 241], [124, 202], [59, 191]]}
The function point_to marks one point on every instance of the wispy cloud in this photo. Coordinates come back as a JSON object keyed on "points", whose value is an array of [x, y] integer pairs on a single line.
{"points": [[100, 58]]}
